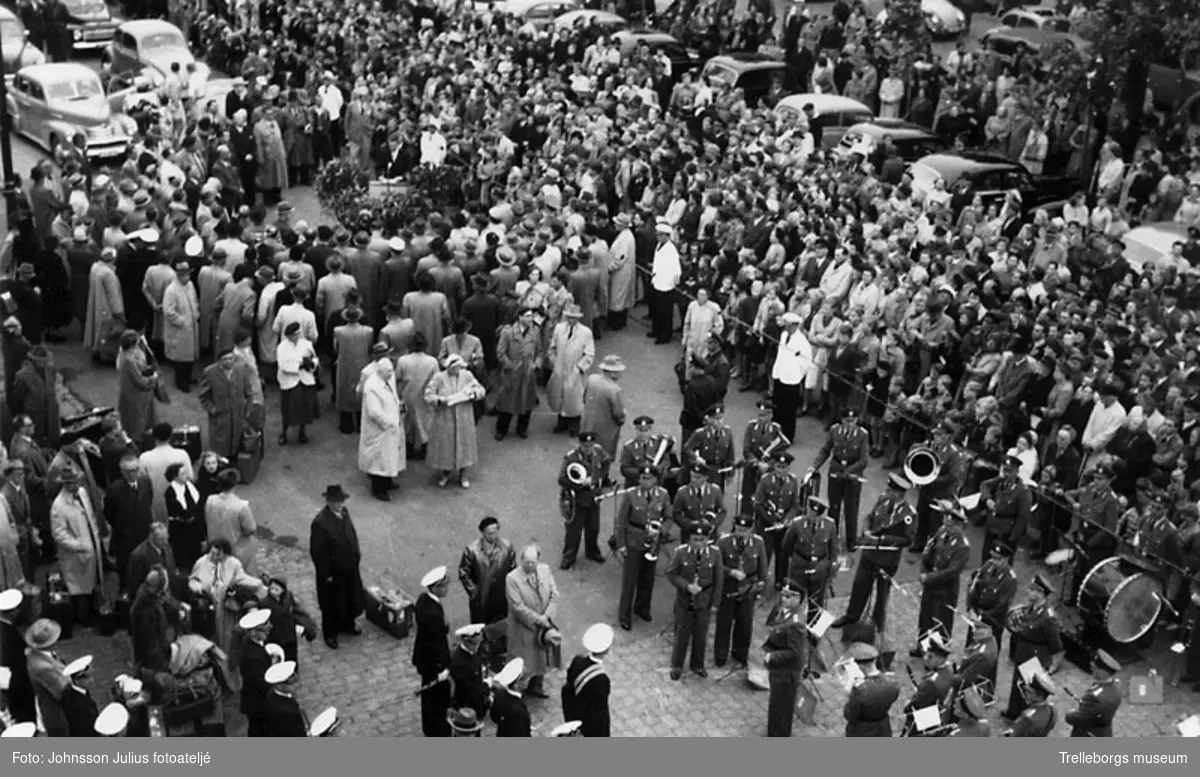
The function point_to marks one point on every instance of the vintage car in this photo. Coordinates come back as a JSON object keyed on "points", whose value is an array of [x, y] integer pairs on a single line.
{"points": [[943, 19], [992, 177], [18, 50], [149, 43], [587, 17], [538, 14], [1035, 18], [49, 104], [758, 76], [911, 141], [90, 22], [837, 113]]}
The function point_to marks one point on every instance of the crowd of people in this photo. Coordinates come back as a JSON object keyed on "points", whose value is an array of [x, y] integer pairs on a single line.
{"points": [[1042, 370]]}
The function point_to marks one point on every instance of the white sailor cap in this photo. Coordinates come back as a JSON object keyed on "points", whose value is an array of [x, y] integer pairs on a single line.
{"points": [[255, 619], [567, 729], [433, 577], [10, 599], [194, 246], [78, 666], [397, 244], [25, 730], [511, 672], [112, 721], [471, 630], [280, 673], [598, 638]]}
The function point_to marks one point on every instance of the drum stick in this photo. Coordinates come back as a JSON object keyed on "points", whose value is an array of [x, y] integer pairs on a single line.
{"points": [[1163, 601]]}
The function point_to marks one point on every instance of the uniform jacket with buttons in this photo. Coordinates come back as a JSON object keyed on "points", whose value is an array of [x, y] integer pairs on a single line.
{"points": [[867, 709], [702, 567], [714, 445], [694, 502], [933, 690], [638, 508], [1097, 708], [891, 521], [640, 452], [846, 450], [945, 557], [811, 546], [760, 435], [776, 499], [1013, 505], [748, 554], [1099, 506], [992, 589]]}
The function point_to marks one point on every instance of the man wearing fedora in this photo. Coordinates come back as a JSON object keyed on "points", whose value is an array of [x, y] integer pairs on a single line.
{"points": [[75, 526], [33, 395], [48, 675], [181, 325], [519, 353], [571, 353], [336, 556], [604, 405]]}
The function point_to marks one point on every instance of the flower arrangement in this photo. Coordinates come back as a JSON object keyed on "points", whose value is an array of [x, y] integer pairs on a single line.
{"points": [[344, 191]]}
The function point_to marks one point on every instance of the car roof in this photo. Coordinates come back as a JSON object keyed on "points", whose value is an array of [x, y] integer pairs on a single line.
{"points": [[822, 103], [56, 72], [1151, 241], [570, 17], [745, 61], [1035, 35], [957, 163], [139, 27], [652, 36], [897, 128], [518, 6]]}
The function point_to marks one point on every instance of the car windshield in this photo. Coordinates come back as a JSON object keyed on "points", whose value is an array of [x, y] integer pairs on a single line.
{"points": [[162, 40], [11, 30], [74, 90], [86, 6], [724, 75]]}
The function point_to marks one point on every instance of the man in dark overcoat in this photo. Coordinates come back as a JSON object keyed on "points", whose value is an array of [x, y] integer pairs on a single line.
{"points": [[333, 545]]}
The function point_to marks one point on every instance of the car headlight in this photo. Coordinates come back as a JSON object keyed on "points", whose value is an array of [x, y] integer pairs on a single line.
{"points": [[934, 20]]}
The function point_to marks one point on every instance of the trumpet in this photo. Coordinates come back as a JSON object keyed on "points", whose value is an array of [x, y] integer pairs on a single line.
{"points": [[654, 537], [922, 465]]}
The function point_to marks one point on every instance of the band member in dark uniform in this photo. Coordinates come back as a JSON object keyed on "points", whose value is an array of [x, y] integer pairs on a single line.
{"points": [[509, 712], [587, 687], [1008, 502], [868, 709], [712, 446], [647, 449], [942, 563], [744, 557], [889, 531], [776, 504], [1097, 512], [981, 662], [468, 671], [847, 449], [431, 653], [762, 439], [1036, 628], [991, 592], [285, 718], [786, 656], [1093, 716], [581, 509], [643, 522], [936, 686], [698, 502], [810, 548], [944, 486], [1040, 717], [698, 576], [970, 715]]}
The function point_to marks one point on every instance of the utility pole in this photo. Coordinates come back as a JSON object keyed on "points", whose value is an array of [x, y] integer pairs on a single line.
{"points": [[6, 160]]}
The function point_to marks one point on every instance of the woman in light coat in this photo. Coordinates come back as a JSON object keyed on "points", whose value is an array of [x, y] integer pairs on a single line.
{"points": [[622, 272], [453, 445], [75, 526], [271, 155], [381, 453], [414, 372], [181, 325], [228, 517], [220, 577], [701, 321], [532, 606], [105, 308], [571, 353]]}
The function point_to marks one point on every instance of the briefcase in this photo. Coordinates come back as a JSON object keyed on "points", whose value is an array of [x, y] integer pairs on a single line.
{"points": [[390, 610], [250, 455], [57, 605], [1146, 688], [188, 438]]}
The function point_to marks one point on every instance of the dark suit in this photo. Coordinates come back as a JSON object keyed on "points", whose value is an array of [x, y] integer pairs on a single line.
{"points": [[144, 558], [285, 718], [189, 530], [867, 710], [128, 512], [585, 696], [255, 662], [431, 654], [470, 689], [511, 716], [20, 694]]}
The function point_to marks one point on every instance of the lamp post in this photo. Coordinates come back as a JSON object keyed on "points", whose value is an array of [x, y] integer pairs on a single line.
{"points": [[10, 185]]}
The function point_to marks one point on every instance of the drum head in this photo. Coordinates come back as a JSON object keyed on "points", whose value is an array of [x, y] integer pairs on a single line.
{"points": [[1098, 583], [324, 723], [1133, 608]]}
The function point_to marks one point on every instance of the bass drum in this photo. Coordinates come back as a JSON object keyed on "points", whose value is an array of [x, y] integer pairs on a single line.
{"points": [[1119, 597]]}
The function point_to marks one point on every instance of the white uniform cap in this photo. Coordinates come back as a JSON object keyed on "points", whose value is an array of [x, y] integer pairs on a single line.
{"points": [[20, 730], [112, 720], [511, 672], [472, 630], [194, 246], [433, 577], [10, 599], [598, 638], [397, 244], [78, 666], [567, 729], [254, 619], [280, 673]]}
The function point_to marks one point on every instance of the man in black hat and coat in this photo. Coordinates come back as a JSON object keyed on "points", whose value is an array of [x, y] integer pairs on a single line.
{"points": [[333, 545]]}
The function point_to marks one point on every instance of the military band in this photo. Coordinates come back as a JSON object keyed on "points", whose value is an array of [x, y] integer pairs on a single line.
{"points": [[642, 525], [889, 532], [810, 550], [847, 449], [648, 449], [776, 505], [1009, 503], [868, 709], [587, 686], [698, 576], [1093, 715], [712, 446], [785, 653], [699, 502], [744, 559], [942, 563], [980, 663], [991, 591], [936, 687], [468, 672], [580, 503], [1036, 633], [762, 440]]}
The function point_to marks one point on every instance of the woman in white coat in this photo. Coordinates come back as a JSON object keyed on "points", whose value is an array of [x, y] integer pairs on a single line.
{"points": [[572, 351], [702, 320], [381, 452], [622, 272], [181, 325]]}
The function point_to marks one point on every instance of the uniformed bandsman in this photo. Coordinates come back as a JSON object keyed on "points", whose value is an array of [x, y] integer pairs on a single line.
{"points": [[785, 654], [991, 591], [1040, 717], [744, 558], [587, 687], [868, 709], [889, 531], [981, 661], [585, 520], [641, 511], [698, 577], [1038, 634], [1009, 502], [699, 501], [1097, 708], [944, 486], [970, 715], [285, 718], [467, 666], [644, 451], [776, 504], [936, 687], [810, 548], [763, 439], [1097, 510], [942, 563], [712, 446], [847, 449]]}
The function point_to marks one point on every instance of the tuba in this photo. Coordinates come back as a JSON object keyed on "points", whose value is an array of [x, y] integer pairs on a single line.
{"points": [[1020, 618], [922, 465], [577, 474]]}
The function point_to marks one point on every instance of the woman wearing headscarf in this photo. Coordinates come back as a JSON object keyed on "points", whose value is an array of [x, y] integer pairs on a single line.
{"points": [[297, 382], [453, 446]]}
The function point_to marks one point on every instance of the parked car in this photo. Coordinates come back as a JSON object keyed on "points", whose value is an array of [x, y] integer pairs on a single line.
{"points": [[1004, 43], [50, 103], [91, 23], [837, 113], [586, 17], [1170, 83], [683, 59], [992, 176], [149, 43], [1151, 242], [1032, 18], [942, 18], [911, 141], [19, 52], [760, 78], [538, 13]]}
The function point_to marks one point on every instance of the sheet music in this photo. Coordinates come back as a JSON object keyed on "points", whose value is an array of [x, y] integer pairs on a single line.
{"points": [[849, 673], [927, 718], [821, 625], [1030, 668], [1189, 727], [969, 502]]}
